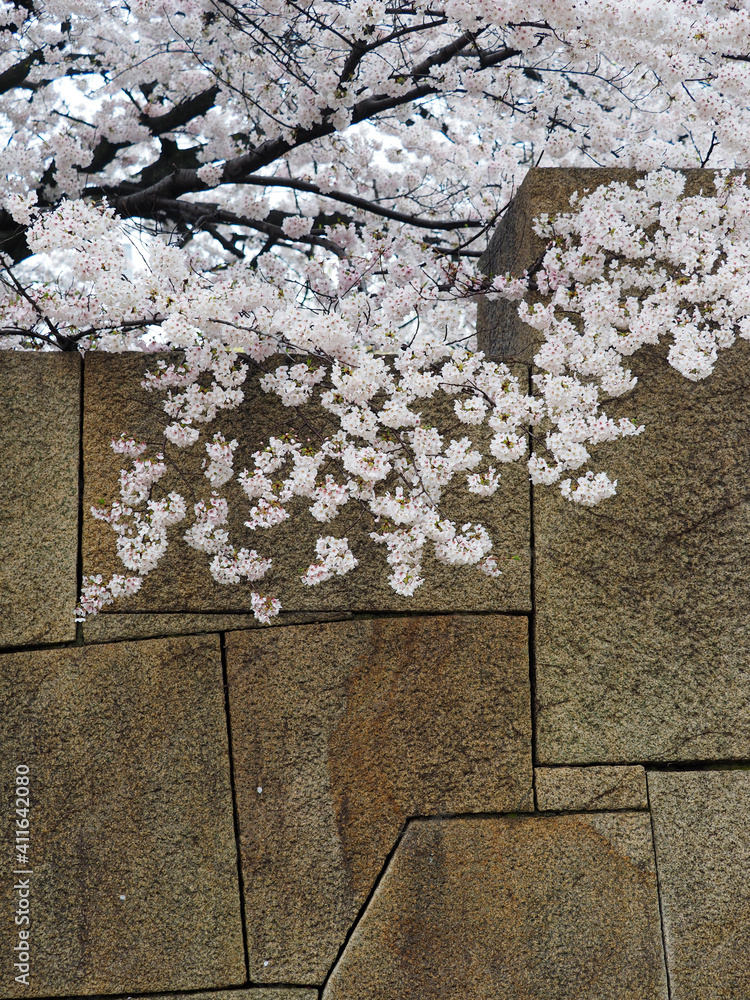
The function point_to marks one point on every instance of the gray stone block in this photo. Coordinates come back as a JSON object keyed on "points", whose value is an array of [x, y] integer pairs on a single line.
{"points": [[642, 633], [248, 993], [251, 993], [572, 789], [533, 908], [40, 398], [339, 734], [134, 884], [702, 842], [516, 248]]}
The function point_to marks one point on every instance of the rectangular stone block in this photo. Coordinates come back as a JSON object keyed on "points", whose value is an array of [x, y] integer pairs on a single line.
{"points": [[342, 732], [257, 993], [40, 398], [573, 789], [110, 627], [702, 842], [642, 634], [115, 402], [516, 248], [133, 883]]}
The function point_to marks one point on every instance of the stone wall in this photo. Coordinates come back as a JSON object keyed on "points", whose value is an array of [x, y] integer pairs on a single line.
{"points": [[529, 788]]}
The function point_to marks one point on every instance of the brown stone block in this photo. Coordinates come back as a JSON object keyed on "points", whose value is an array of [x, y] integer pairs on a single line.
{"points": [[115, 402], [702, 845], [131, 838], [642, 635], [251, 993], [573, 789], [552, 908], [349, 729], [109, 627], [248, 993], [39, 451]]}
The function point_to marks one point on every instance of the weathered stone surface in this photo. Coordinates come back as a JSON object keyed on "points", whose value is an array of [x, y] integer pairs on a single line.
{"points": [[516, 248], [39, 451], [132, 845], [109, 627], [115, 401], [642, 636], [702, 842], [572, 789], [249, 993], [552, 908], [349, 729], [253, 993]]}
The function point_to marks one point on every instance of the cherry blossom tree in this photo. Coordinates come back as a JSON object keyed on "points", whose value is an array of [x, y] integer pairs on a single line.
{"points": [[318, 179]]}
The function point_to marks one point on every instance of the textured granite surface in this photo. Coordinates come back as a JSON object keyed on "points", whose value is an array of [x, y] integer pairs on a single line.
{"points": [[114, 401], [571, 789], [132, 847], [339, 734], [249, 993], [642, 632], [642, 641], [516, 248], [702, 842], [39, 457], [533, 908], [108, 627]]}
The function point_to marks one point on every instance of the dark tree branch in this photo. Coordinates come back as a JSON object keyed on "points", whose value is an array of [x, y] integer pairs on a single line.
{"points": [[134, 199], [14, 76], [365, 204]]}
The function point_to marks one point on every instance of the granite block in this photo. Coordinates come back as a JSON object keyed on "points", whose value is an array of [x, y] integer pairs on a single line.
{"points": [[702, 842], [533, 908], [342, 732], [110, 627], [115, 402], [40, 399], [642, 635], [516, 248], [642, 641], [573, 789], [249, 993], [134, 883]]}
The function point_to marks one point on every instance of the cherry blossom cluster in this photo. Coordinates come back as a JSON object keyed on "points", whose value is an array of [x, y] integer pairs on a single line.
{"points": [[628, 267], [624, 268]]}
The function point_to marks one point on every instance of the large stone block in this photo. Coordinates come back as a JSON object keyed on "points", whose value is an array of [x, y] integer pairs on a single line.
{"points": [[574, 789], [257, 993], [642, 637], [642, 633], [115, 402], [529, 908], [342, 731], [516, 248], [40, 399], [249, 993], [134, 884], [702, 845], [110, 627]]}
